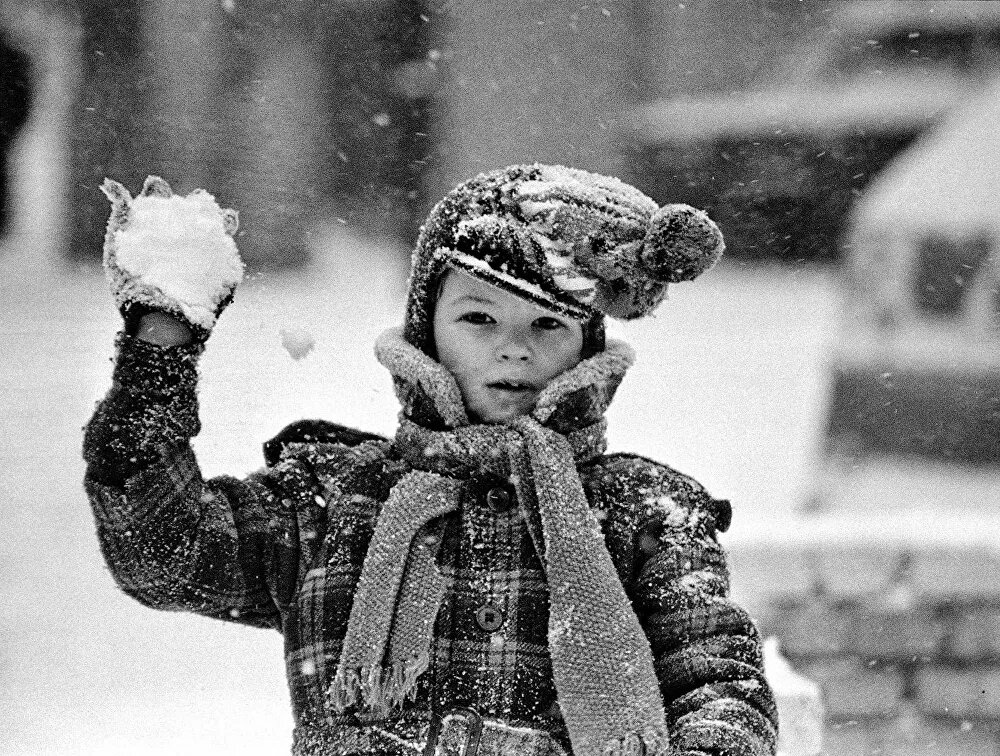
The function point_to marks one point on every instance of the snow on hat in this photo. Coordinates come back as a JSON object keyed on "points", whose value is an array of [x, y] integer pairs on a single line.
{"points": [[579, 243]]}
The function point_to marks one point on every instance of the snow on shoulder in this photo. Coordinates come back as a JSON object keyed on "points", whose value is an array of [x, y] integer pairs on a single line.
{"points": [[179, 246]]}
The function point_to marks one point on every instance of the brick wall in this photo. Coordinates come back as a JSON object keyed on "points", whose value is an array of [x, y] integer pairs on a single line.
{"points": [[903, 638]]}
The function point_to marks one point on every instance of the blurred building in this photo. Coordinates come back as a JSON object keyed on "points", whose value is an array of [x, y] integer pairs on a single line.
{"points": [[779, 162], [917, 367]]}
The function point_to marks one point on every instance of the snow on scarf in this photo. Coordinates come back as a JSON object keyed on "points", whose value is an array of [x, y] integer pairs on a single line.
{"points": [[602, 663]]}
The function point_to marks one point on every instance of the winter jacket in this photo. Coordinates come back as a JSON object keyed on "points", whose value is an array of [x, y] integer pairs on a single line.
{"points": [[285, 547]]}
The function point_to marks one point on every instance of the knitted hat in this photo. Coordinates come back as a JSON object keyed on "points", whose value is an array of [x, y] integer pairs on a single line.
{"points": [[579, 243]]}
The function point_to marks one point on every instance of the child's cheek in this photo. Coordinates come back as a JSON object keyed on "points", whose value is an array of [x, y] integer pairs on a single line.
{"points": [[475, 358]]}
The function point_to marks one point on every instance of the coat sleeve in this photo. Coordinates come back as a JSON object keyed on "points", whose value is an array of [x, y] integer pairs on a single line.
{"points": [[662, 530], [225, 548]]}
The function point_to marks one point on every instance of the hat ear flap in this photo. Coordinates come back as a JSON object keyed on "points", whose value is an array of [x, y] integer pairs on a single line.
{"points": [[682, 243]]}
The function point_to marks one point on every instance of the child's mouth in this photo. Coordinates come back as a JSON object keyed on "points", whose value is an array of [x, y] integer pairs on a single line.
{"points": [[514, 387]]}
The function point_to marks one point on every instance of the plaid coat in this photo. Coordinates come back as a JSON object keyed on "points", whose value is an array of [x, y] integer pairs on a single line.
{"points": [[284, 547]]}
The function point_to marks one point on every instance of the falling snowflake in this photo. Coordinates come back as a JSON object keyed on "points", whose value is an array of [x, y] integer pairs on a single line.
{"points": [[297, 342]]}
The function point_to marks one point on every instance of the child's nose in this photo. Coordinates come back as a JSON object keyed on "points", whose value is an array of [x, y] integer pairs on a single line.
{"points": [[513, 349]]}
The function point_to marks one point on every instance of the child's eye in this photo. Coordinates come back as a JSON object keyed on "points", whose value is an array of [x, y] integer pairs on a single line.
{"points": [[477, 318], [548, 324]]}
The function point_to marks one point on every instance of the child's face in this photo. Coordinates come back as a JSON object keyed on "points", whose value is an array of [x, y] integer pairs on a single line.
{"points": [[501, 349]]}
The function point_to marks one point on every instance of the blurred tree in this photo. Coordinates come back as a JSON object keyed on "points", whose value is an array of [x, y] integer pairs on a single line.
{"points": [[291, 112], [113, 129], [15, 101], [379, 82]]}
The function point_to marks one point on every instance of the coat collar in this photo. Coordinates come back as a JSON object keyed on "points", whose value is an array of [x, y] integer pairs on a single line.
{"points": [[430, 396]]}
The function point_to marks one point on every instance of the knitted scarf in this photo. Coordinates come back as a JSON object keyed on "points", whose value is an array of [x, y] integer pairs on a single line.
{"points": [[602, 664]]}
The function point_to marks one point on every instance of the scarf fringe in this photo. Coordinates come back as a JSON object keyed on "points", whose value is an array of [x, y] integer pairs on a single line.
{"points": [[655, 741], [378, 689]]}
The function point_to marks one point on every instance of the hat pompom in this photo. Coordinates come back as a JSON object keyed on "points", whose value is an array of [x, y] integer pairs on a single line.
{"points": [[682, 243]]}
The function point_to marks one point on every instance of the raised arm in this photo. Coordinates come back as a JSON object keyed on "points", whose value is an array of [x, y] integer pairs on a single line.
{"points": [[224, 547]]}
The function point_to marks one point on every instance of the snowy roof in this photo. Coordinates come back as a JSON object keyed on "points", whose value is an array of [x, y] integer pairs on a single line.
{"points": [[903, 15], [949, 179], [892, 102], [867, 69]]}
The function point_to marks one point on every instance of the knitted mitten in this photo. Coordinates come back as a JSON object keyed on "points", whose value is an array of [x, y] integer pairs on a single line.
{"points": [[171, 253]]}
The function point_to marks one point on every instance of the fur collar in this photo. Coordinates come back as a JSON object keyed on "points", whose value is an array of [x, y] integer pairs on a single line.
{"points": [[430, 396]]}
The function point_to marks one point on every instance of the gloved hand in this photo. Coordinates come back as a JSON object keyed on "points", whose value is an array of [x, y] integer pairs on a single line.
{"points": [[164, 252]]}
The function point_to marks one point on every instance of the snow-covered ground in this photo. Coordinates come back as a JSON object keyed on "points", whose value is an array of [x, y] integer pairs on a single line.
{"points": [[729, 387]]}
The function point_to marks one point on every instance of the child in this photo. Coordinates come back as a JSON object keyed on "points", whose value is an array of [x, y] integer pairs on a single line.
{"points": [[489, 581]]}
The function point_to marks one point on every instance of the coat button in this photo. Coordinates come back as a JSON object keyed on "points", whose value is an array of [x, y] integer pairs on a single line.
{"points": [[498, 499], [489, 617]]}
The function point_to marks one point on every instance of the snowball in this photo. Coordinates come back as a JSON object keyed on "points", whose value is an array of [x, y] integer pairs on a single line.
{"points": [[179, 246], [297, 342]]}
